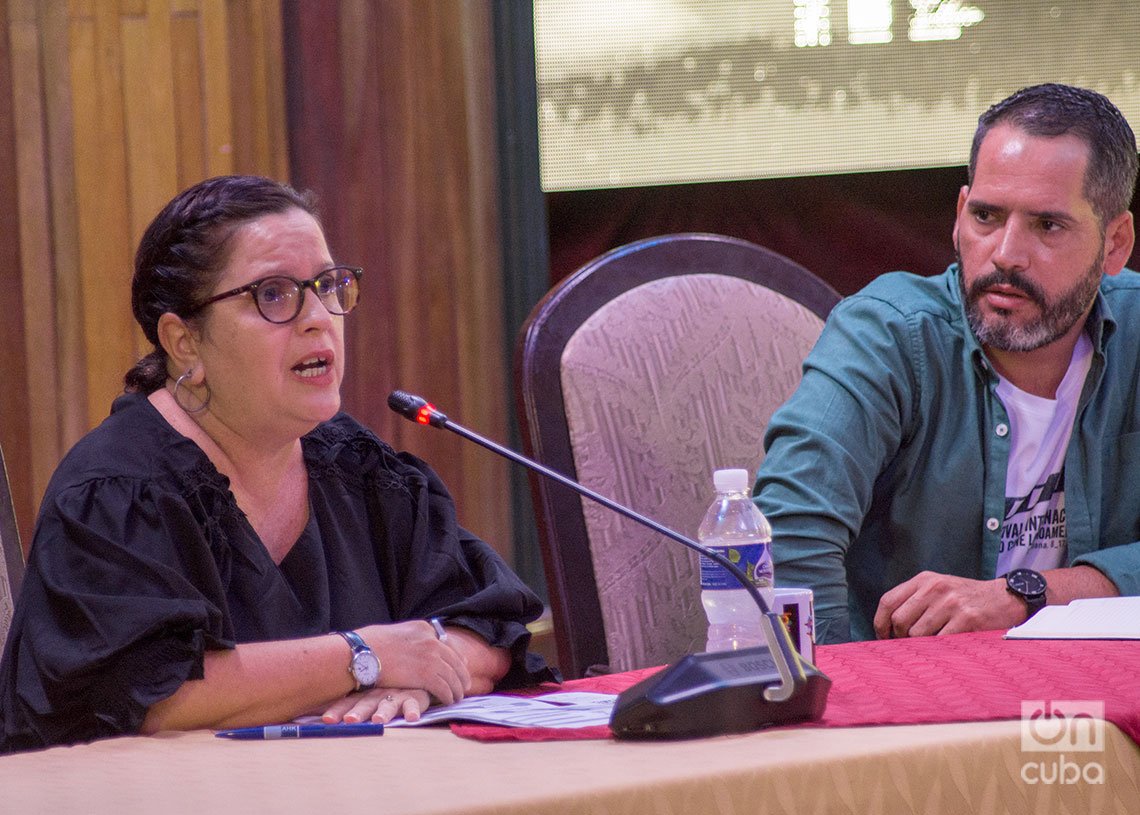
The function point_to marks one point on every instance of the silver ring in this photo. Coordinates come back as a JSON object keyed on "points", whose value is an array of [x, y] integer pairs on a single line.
{"points": [[440, 634], [389, 698]]}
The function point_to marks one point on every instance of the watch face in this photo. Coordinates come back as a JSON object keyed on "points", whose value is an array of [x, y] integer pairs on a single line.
{"points": [[1026, 582], [366, 668]]}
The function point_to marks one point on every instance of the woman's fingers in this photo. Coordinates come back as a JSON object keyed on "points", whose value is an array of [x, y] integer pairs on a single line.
{"points": [[409, 703], [414, 705], [412, 656], [378, 705]]}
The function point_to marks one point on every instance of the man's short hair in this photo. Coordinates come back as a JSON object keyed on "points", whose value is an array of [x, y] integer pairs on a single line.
{"points": [[1052, 110]]}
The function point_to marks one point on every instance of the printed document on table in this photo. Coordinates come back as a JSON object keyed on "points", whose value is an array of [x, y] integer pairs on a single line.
{"points": [[1094, 618], [560, 709]]}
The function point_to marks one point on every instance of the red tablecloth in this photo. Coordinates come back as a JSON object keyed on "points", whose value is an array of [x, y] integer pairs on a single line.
{"points": [[961, 677]]}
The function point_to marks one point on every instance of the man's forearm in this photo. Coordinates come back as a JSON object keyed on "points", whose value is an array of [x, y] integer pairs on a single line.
{"points": [[1075, 582]]}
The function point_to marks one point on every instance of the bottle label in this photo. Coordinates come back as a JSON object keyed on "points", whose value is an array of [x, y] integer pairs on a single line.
{"points": [[754, 559]]}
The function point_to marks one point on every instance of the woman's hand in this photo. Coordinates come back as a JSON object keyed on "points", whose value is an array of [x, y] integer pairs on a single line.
{"points": [[272, 681], [487, 665], [412, 657], [378, 705]]}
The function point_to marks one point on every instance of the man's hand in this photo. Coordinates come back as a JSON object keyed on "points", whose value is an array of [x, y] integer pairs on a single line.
{"points": [[932, 603]]}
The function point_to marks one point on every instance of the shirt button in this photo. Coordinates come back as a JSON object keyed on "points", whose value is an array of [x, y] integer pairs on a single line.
{"points": [[992, 524], [1002, 430]]}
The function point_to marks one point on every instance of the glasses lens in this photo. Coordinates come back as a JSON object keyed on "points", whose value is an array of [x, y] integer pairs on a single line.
{"points": [[277, 299], [338, 290]]}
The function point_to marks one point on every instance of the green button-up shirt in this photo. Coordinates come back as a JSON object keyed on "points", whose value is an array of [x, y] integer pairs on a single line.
{"points": [[890, 458]]}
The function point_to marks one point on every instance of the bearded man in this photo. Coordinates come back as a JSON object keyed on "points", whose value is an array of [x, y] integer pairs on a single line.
{"points": [[965, 448]]}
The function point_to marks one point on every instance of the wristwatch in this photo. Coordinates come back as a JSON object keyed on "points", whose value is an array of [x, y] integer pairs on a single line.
{"points": [[1029, 586], [364, 667]]}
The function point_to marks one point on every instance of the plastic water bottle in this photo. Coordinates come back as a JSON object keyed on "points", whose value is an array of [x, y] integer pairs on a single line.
{"points": [[735, 527]]}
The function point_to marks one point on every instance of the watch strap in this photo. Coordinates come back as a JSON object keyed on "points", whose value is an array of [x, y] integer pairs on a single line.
{"points": [[358, 646], [1035, 602], [354, 640]]}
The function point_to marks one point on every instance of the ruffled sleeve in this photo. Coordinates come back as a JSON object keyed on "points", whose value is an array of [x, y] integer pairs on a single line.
{"points": [[121, 599]]}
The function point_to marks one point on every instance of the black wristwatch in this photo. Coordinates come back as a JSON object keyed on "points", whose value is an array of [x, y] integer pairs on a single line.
{"points": [[1029, 586], [364, 667]]}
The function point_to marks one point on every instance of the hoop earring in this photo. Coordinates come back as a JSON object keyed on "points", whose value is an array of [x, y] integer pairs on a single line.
{"points": [[202, 403]]}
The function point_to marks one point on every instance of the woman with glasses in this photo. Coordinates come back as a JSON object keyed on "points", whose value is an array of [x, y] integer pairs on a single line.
{"points": [[227, 548]]}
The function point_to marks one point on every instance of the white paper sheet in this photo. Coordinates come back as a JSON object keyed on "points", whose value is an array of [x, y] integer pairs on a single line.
{"points": [[1097, 618], [559, 709]]}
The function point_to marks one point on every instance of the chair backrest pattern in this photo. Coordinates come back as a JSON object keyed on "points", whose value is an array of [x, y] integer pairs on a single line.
{"points": [[11, 556], [640, 374], [663, 385]]}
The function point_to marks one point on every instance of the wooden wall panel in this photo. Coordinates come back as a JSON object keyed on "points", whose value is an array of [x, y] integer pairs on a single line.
{"points": [[477, 294], [151, 131], [102, 187], [188, 100], [257, 102], [53, 24], [215, 111], [12, 355], [396, 137], [119, 105], [31, 213]]}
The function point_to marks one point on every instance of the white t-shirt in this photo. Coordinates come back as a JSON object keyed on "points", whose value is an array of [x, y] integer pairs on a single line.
{"points": [[1033, 533]]}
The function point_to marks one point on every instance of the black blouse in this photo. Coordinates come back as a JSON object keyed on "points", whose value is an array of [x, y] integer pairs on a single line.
{"points": [[142, 560]]}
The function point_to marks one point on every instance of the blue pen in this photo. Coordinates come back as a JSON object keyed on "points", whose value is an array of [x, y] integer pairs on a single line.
{"points": [[304, 731]]}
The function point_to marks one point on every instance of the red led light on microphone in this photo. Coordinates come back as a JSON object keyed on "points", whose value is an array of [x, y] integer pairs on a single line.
{"points": [[423, 415]]}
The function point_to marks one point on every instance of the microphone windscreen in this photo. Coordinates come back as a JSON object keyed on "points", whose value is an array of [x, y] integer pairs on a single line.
{"points": [[405, 404]]}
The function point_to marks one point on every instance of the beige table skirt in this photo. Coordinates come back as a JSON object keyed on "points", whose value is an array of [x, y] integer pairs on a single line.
{"points": [[955, 768]]}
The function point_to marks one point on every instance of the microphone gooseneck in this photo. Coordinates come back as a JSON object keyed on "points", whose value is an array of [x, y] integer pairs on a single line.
{"points": [[419, 410], [789, 666]]}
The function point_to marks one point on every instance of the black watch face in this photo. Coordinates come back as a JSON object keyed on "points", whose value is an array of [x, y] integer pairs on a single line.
{"points": [[1026, 582]]}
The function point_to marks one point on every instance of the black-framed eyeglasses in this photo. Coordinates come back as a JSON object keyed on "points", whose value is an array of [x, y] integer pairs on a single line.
{"points": [[279, 298]]}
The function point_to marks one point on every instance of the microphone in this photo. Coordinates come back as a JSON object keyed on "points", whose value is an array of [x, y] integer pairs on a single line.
{"points": [[701, 694]]}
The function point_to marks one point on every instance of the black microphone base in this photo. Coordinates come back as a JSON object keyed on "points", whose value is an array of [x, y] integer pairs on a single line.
{"points": [[715, 693]]}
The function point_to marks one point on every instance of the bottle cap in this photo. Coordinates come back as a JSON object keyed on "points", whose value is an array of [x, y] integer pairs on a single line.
{"points": [[731, 480]]}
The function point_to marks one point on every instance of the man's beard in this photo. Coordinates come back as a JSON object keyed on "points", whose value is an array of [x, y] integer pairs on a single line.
{"points": [[1055, 318]]}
